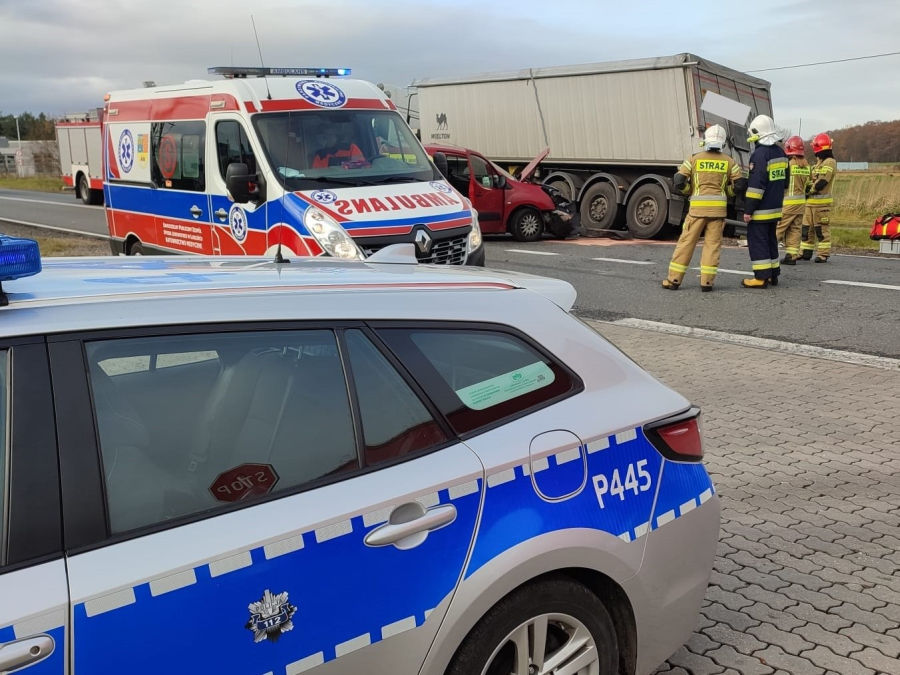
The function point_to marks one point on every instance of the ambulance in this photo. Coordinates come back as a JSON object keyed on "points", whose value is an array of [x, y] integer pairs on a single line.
{"points": [[276, 161]]}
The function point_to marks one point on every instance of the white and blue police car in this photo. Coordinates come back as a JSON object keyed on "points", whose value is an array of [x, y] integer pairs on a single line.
{"points": [[233, 465]]}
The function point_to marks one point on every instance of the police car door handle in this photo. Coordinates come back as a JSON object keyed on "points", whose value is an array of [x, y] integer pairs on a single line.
{"points": [[222, 215], [25, 652], [414, 531], [196, 211]]}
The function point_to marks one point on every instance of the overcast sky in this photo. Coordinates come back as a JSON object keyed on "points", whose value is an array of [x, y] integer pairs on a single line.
{"points": [[62, 56]]}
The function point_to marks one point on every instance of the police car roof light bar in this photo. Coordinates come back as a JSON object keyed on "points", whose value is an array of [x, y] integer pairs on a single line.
{"points": [[264, 71], [18, 258]]}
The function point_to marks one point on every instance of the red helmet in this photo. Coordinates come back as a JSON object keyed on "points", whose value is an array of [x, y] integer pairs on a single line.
{"points": [[821, 142], [793, 147]]}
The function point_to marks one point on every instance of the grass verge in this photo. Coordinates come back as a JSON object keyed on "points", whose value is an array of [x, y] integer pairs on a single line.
{"points": [[38, 183], [54, 244]]}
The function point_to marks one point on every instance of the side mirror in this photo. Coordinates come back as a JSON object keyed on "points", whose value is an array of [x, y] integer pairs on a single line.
{"points": [[242, 185], [440, 161]]}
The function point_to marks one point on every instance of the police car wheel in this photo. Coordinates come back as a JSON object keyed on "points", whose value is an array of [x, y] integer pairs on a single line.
{"points": [[553, 625]]}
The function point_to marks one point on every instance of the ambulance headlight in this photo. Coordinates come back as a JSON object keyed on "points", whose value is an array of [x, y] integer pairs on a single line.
{"points": [[330, 235], [475, 235]]}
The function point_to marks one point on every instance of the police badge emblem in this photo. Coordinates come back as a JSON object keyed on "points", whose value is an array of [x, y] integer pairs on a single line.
{"points": [[270, 616]]}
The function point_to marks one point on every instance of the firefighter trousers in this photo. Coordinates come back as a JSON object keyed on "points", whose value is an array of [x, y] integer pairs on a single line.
{"points": [[694, 227], [763, 248], [817, 226], [790, 228]]}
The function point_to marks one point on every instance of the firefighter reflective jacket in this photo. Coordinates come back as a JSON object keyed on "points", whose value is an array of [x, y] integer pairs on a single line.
{"points": [[825, 169], [765, 190], [711, 177], [797, 182]]}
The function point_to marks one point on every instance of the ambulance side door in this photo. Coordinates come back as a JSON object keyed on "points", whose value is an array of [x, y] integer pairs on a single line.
{"points": [[237, 229], [308, 511], [33, 592]]}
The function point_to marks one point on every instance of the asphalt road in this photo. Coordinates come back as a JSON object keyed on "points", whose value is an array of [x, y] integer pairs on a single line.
{"points": [[851, 303]]}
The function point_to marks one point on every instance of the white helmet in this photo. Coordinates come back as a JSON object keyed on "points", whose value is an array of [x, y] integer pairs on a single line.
{"points": [[762, 130], [714, 138]]}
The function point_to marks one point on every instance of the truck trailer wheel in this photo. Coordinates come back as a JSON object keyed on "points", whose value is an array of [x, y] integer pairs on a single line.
{"points": [[598, 207], [646, 212]]}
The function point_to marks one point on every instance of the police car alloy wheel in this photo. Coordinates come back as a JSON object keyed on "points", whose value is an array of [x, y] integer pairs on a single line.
{"points": [[555, 625]]}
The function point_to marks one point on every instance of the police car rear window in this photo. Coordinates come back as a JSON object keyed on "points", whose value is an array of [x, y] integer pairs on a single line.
{"points": [[480, 377]]}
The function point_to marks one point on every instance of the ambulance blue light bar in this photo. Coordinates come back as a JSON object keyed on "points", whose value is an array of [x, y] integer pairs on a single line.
{"points": [[18, 258], [259, 71]]}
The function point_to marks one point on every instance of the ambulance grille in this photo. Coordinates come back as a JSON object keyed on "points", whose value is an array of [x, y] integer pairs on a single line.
{"points": [[450, 251]]}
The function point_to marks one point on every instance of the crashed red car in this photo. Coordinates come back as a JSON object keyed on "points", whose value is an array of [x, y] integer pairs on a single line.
{"points": [[504, 203]]}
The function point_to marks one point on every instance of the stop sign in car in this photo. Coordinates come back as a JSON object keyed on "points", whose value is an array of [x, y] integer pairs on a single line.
{"points": [[246, 480]]}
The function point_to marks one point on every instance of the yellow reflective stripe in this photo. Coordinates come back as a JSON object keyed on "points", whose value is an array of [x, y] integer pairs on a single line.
{"points": [[762, 265], [777, 162], [792, 200], [675, 267], [824, 244], [793, 250], [757, 215], [705, 269], [814, 201], [823, 168], [755, 193], [807, 247], [736, 171]]}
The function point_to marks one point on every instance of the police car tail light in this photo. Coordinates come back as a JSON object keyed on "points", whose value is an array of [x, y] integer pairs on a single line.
{"points": [[331, 236], [18, 258], [679, 438]]}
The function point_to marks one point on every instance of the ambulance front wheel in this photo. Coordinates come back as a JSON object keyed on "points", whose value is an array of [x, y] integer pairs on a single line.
{"points": [[559, 622]]}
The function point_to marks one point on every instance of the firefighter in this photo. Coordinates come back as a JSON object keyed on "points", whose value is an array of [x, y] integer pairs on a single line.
{"points": [[817, 217], [794, 200], [765, 194], [710, 177]]}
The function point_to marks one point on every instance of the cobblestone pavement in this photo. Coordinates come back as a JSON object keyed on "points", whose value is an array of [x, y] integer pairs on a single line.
{"points": [[807, 576]]}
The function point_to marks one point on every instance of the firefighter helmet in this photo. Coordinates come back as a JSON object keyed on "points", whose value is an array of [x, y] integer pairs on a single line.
{"points": [[793, 147], [762, 130], [821, 142], [714, 138]]}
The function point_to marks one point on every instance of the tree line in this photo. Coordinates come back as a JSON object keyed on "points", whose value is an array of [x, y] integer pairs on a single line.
{"points": [[869, 142], [31, 127]]}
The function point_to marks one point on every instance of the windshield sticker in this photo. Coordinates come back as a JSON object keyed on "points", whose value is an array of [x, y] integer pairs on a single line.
{"points": [[126, 150], [507, 386], [324, 196], [320, 93]]}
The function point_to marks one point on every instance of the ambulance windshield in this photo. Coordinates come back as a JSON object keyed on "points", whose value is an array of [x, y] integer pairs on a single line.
{"points": [[314, 148]]}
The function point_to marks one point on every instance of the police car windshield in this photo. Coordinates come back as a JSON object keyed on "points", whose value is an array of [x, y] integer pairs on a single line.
{"points": [[311, 148]]}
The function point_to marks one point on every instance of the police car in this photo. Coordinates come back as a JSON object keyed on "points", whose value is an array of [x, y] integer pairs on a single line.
{"points": [[234, 465]]}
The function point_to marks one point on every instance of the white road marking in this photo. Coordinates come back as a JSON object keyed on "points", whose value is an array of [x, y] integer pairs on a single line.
{"points": [[855, 358], [50, 203], [864, 284], [520, 250], [726, 271], [622, 260], [68, 230]]}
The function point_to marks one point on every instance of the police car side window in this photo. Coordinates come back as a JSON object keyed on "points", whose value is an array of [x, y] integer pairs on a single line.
{"points": [[480, 377], [4, 451], [177, 155], [223, 418], [395, 422]]}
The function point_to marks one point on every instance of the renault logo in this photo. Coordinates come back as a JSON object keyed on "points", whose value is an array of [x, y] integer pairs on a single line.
{"points": [[423, 241]]}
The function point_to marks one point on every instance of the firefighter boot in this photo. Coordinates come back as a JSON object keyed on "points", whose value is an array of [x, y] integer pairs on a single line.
{"points": [[806, 255], [821, 259], [755, 283], [788, 259], [671, 284]]}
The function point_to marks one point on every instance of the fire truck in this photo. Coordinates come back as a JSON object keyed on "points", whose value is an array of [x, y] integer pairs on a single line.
{"points": [[289, 161], [80, 154]]}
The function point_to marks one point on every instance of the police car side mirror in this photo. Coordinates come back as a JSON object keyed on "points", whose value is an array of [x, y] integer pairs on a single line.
{"points": [[242, 185], [440, 161]]}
